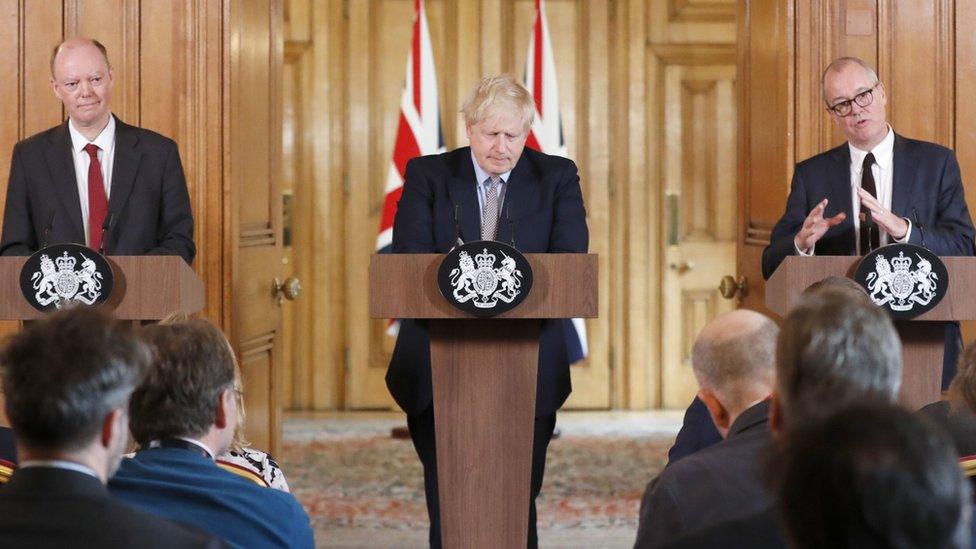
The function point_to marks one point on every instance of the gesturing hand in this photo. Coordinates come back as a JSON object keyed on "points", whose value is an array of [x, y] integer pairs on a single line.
{"points": [[815, 225], [890, 223]]}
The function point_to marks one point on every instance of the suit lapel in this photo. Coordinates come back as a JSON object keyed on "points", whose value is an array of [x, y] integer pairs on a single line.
{"points": [[840, 189], [464, 195], [62, 168], [903, 178], [125, 167], [521, 183]]}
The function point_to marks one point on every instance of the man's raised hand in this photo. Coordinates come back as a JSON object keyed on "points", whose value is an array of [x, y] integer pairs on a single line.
{"points": [[814, 227]]}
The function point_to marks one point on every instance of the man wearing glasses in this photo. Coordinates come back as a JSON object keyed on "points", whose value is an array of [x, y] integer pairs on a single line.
{"points": [[876, 189]]}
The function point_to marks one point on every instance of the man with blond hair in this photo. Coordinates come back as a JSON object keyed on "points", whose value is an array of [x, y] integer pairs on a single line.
{"points": [[496, 189]]}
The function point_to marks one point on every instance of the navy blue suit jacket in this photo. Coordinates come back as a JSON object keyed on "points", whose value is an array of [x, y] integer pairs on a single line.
{"points": [[148, 204], [544, 202], [926, 188], [186, 487]]}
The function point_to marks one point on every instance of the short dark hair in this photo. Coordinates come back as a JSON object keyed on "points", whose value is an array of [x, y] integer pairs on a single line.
{"points": [[63, 374], [834, 350], [192, 366], [96, 43], [872, 475]]}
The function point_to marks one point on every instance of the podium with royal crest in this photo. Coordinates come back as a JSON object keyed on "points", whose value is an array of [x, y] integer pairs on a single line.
{"points": [[484, 372], [906, 285]]}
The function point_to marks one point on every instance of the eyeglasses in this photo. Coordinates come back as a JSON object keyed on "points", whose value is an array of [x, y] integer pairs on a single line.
{"points": [[863, 99]]}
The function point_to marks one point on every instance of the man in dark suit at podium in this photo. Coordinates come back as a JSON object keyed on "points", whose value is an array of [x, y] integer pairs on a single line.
{"points": [[493, 190], [912, 189], [94, 179]]}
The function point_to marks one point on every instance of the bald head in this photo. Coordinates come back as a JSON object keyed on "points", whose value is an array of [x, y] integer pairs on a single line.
{"points": [[734, 357], [79, 42]]}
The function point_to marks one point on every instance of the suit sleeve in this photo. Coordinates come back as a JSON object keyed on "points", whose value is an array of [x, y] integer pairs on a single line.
{"points": [[951, 232], [569, 231], [174, 228], [18, 230], [659, 519], [413, 225], [781, 240]]}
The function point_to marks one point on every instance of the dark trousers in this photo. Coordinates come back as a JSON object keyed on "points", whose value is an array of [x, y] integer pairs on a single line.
{"points": [[422, 432]]}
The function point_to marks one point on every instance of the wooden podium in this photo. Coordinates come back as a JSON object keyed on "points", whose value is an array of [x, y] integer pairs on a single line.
{"points": [[484, 381], [923, 338], [147, 287]]}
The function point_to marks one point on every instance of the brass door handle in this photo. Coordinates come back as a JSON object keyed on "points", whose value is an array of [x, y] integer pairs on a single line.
{"points": [[290, 289], [731, 286], [682, 267]]}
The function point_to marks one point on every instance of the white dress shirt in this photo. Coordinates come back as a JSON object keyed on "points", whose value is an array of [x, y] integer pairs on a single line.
{"points": [[882, 169], [106, 155]]}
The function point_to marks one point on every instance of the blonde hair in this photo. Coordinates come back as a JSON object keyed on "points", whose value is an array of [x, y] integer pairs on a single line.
{"points": [[495, 94]]}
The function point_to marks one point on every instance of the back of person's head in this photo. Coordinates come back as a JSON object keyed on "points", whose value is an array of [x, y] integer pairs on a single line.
{"points": [[179, 397], [62, 375], [833, 350], [962, 389], [734, 357], [872, 476], [841, 283]]}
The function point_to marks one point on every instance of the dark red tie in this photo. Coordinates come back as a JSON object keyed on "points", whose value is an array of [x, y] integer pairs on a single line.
{"points": [[97, 202]]}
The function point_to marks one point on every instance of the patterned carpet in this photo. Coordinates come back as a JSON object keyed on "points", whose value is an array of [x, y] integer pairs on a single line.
{"points": [[364, 489]]}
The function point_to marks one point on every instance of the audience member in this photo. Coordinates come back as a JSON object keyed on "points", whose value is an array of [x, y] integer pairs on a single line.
{"points": [[957, 414], [872, 476], [67, 381], [240, 458], [832, 351], [183, 415], [733, 360]]}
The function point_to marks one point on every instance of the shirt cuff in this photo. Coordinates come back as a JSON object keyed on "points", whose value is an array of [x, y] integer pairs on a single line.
{"points": [[908, 233], [801, 252]]}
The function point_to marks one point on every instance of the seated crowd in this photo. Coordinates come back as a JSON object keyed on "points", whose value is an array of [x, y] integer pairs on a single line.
{"points": [[805, 445], [77, 384]]}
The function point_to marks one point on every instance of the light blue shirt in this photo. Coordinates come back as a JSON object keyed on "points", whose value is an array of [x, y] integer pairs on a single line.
{"points": [[482, 177]]}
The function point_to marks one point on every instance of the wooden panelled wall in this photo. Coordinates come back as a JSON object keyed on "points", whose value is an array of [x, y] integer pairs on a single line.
{"points": [[647, 92], [923, 52]]}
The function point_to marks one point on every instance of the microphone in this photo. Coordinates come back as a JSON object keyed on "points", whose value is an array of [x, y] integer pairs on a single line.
{"points": [[457, 225], [46, 235], [921, 233], [106, 230], [511, 224]]}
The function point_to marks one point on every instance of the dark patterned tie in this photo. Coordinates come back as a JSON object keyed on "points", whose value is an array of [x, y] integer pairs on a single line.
{"points": [[97, 202], [869, 236], [489, 216]]}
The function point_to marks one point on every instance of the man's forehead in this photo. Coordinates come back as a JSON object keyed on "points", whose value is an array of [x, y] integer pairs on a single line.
{"points": [[502, 122], [84, 59], [847, 82]]}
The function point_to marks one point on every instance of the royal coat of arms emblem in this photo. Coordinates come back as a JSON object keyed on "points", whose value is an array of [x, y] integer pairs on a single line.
{"points": [[905, 279], [485, 278], [52, 277]]}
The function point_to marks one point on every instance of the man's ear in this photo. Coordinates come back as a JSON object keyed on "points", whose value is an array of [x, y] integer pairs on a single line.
{"points": [[224, 408], [114, 423], [775, 414], [720, 415]]}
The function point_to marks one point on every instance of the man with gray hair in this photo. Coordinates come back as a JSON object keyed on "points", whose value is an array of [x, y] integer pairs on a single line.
{"points": [[467, 193], [835, 349], [733, 362], [875, 189]]}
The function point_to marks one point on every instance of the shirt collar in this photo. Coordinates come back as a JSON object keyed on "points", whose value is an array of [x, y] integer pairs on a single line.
{"points": [[481, 175], [58, 464], [883, 153], [104, 141], [195, 442]]}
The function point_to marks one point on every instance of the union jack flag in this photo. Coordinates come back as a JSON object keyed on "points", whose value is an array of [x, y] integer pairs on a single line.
{"points": [[546, 134], [419, 127]]}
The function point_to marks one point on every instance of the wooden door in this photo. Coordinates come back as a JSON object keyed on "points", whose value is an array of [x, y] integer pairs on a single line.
{"points": [[254, 151]]}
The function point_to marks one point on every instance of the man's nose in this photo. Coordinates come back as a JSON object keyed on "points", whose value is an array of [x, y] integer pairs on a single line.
{"points": [[499, 142], [84, 88]]}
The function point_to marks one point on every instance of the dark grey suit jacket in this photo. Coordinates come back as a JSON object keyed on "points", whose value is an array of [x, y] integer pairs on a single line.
{"points": [[148, 207], [715, 484], [46, 507]]}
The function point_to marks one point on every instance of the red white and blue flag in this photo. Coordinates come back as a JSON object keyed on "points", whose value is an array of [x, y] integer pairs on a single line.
{"points": [[546, 134], [418, 129]]}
